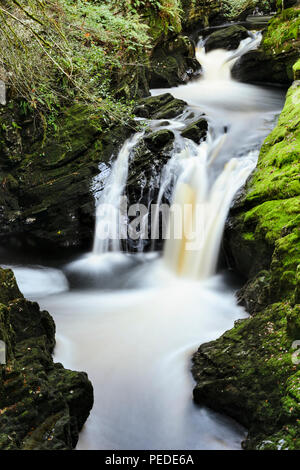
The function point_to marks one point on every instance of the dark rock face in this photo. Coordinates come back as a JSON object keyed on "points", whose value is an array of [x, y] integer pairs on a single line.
{"points": [[43, 406], [151, 155], [258, 66], [172, 62], [228, 38], [157, 140], [196, 131], [144, 175], [163, 106], [45, 193]]}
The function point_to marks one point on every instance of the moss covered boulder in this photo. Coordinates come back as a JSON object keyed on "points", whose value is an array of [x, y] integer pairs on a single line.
{"points": [[163, 106], [227, 38], [196, 131], [42, 405], [172, 62]]}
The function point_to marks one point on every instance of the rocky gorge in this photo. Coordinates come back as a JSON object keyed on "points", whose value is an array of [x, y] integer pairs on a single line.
{"points": [[47, 205]]}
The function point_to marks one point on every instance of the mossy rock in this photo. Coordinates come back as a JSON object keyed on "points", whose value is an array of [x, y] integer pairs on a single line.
{"points": [[250, 373], [264, 232], [296, 70], [46, 200], [172, 62], [196, 131], [43, 406], [163, 106], [159, 139], [227, 38]]}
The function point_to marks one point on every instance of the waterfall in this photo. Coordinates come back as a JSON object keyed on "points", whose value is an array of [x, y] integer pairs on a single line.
{"points": [[201, 213], [200, 205], [201, 179], [132, 321], [108, 229]]}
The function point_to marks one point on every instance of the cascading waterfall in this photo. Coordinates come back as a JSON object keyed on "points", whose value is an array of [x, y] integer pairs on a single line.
{"points": [[108, 226], [136, 330], [200, 207], [203, 186], [193, 252]]}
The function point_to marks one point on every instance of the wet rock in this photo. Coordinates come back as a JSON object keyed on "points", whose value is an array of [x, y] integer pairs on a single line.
{"points": [[172, 62], [245, 375], [255, 295], [196, 131], [43, 405], [144, 176], [46, 200], [157, 140], [163, 106], [227, 38], [259, 66]]}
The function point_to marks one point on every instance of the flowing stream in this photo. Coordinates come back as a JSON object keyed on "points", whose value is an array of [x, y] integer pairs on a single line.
{"points": [[135, 329]]}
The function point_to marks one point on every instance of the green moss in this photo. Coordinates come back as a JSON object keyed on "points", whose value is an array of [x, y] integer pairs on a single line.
{"points": [[257, 382], [273, 196], [277, 174], [286, 439], [248, 236], [296, 70], [283, 31], [273, 218], [234, 8]]}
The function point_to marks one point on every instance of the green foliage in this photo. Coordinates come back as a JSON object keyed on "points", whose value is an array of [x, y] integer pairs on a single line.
{"points": [[57, 52], [233, 8], [163, 14]]}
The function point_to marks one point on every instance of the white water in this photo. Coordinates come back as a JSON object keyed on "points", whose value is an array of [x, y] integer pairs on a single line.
{"points": [[194, 251], [136, 345], [107, 231], [135, 339], [208, 180]]}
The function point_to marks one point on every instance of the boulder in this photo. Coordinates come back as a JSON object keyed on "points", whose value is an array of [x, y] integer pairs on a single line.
{"points": [[144, 175], [196, 131], [163, 106], [172, 62], [157, 140], [262, 67], [43, 406], [227, 38], [273, 62]]}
